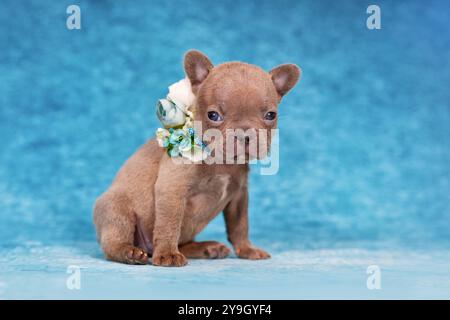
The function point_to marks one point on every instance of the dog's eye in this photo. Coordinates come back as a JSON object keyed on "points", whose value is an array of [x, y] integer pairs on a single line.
{"points": [[270, 115], [214, 116]]}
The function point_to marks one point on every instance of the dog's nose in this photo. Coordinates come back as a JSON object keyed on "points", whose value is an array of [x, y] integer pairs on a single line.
{"points": [[245, 139]]}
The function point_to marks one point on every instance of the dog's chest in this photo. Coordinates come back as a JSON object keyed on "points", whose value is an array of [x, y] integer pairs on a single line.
{"points": [[212, 192], [208, 198]]}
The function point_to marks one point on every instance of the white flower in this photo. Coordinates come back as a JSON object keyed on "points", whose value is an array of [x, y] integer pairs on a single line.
{"points": [[181, 94]]}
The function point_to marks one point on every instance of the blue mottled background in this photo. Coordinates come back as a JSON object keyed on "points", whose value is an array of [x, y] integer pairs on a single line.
{"points": [[364, 144]]}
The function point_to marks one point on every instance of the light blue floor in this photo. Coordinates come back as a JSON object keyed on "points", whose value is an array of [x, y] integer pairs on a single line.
{"points": [[35, 272], [364, 173]]}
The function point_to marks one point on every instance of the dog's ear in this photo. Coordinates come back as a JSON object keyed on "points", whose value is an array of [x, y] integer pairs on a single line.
{"points": [[285, 77], [197, 67]]}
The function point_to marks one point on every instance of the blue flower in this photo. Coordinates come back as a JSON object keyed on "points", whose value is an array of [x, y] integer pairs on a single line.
{"points": [[162, 135], [169, 113], [174, 151], [176, 136], [185, 144]]}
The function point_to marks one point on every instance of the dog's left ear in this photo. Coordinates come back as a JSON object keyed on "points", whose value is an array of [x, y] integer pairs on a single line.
{"points": [[285, 77], [197, 67]]}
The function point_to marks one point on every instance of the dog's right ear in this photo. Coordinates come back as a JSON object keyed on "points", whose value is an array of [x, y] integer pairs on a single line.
{"points": [[197, 67]]}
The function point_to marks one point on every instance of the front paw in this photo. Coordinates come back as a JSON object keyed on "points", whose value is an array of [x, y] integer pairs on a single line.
{"points": [[252, 253], [170, 259]]}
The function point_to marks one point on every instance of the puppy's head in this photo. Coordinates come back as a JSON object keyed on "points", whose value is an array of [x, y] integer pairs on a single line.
{"points": [[239, 97]]}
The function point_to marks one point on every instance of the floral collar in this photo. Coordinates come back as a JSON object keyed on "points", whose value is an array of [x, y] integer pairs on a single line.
{"points": [[178, 135]]}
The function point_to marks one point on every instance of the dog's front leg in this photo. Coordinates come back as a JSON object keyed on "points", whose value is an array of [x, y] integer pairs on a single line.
{"points": [[236, 220], [170, 198]]}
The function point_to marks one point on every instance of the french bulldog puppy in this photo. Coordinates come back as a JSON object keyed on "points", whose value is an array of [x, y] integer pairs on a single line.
{"points": [[155, 206]]}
